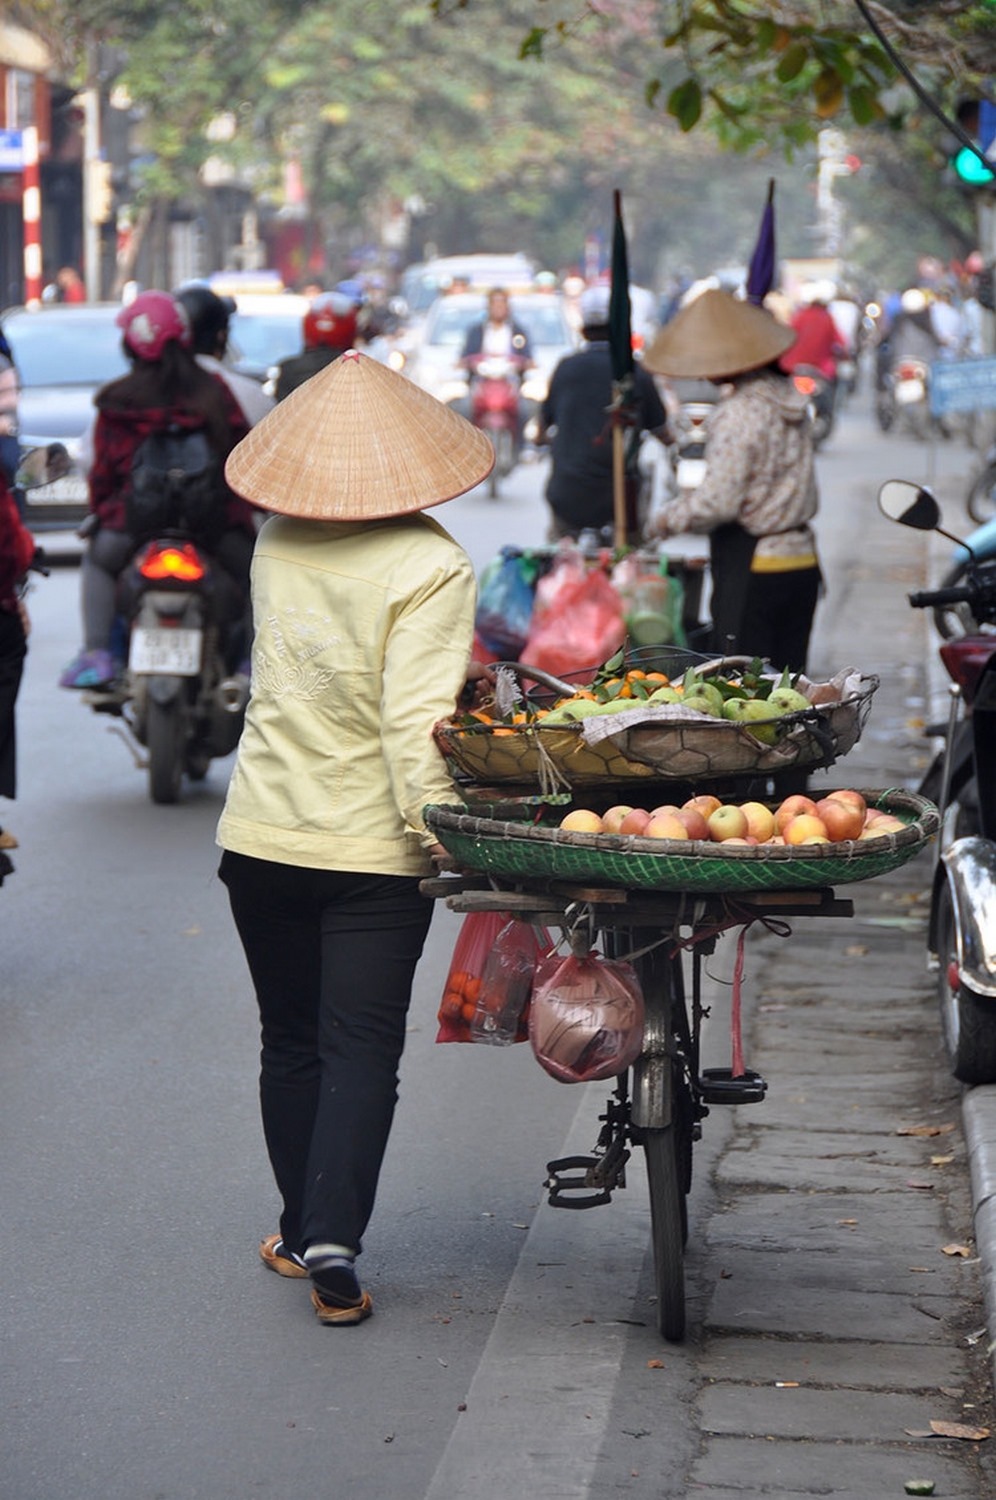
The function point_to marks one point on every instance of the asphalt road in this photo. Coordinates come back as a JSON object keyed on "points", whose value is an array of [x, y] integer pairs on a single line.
{"points": [[147, 1354]]}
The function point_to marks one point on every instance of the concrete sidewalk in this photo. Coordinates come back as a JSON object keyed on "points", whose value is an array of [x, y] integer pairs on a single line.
{"points": [[848, 1281]]}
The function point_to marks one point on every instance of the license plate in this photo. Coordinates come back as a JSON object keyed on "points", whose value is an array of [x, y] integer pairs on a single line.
{"points": [[908, 391], [72, 490], [173, 653]]}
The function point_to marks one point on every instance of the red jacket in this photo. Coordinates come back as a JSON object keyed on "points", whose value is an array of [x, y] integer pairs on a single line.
{"points": [[818, 342], [117, 435], [17, 548]]}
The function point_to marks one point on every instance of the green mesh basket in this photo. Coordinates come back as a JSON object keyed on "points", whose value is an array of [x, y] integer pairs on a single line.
{"points": [[531, 851]]}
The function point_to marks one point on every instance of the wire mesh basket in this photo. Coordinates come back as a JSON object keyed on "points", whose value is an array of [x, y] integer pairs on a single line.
{"points": [[661, 743], [534, 851]]}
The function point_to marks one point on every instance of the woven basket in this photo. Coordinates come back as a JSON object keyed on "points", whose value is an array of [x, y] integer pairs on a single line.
{"points": [[668, 750], [532, 851]]}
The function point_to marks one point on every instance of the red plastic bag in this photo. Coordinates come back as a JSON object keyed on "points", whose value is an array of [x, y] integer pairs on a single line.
{"points": [[584, 624], [586, 1019], [490, 978], [502, 1013]]}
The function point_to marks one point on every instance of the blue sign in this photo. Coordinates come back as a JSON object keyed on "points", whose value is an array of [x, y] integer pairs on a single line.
{"points": [[962, 385], [11, 150]]}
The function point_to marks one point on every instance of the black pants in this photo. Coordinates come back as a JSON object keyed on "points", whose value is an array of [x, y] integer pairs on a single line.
{"points": [[777, 620], [13, 649], [332, 956]]}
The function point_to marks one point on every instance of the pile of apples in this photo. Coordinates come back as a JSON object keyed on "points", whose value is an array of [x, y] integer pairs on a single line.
{"points": [[837, 818]]}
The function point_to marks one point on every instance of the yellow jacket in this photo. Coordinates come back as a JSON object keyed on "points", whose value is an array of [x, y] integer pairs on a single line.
{"points": [[363, 635]]}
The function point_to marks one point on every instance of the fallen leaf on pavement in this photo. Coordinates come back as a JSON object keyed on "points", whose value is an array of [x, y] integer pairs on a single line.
{"points": [[960, 1430], [963, 1250], [941, 1161], [655, 1364], [925, 1129], [856, 950]]}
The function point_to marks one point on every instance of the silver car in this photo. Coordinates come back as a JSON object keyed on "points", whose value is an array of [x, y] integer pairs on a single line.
{"points": [[63, 355]]}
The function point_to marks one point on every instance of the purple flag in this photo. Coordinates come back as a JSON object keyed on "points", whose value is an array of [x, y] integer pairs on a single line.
{"points": [[761, 275]]}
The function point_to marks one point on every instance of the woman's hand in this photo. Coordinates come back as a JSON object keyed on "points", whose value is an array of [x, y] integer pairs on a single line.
{"points": [[480, 681]]}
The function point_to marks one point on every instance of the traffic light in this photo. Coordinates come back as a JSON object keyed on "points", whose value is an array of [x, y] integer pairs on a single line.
{"points": [[977, 117]]}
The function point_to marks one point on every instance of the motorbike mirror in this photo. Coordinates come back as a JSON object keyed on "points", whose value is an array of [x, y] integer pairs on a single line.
{"points": [[910, 504], [40, 466]]}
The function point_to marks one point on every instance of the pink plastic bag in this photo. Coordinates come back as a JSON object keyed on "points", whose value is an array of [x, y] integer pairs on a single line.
{"points": [[586, 1019], [583, 624]]}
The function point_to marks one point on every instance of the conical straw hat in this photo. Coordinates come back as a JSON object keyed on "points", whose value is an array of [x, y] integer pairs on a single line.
{"points": [[358, 442], [717, 336]]}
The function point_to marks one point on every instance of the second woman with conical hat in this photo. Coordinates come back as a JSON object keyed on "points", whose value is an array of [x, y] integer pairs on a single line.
{"points": [[758, 498], [364, 618]]}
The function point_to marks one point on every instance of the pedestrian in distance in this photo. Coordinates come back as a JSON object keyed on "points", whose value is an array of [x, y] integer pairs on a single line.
{"points": [[364, 623], [759, 495], [575, 420], [165, 389], [17, 549]]}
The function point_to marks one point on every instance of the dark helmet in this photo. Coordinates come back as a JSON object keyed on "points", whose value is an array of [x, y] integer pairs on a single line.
{"points": [[209, 316]]}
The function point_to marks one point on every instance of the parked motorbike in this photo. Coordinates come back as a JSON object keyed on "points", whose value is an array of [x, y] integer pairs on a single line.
{"points": [[181, 697], [821, 398], [494, 407], [962, 781]]}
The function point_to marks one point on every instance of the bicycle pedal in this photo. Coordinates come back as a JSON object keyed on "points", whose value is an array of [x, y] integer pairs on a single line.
{"points": [[579, 1191], [719, 1086]]}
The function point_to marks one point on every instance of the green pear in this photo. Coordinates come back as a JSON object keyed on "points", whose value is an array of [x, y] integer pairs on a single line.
{"points": [[787, 701], [706, 699], [665, 694], [753, 714]]}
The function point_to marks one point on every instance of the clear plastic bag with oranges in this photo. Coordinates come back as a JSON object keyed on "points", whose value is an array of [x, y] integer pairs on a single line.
{"points": [[490, 980]]}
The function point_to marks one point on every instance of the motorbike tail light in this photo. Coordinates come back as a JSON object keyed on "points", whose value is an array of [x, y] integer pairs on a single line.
{"points": [[804, 383], [954, 977], [965, 660], [178, 562], [910, 370]]}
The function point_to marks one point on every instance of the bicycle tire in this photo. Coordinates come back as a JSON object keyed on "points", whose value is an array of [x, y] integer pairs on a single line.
{"points": [[667, 1222]]}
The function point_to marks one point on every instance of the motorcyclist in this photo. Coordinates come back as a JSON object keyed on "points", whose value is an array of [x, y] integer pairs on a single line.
{"points": [[210, 318], [329, 329], [498, 336], [818, 340], [165, 387]]}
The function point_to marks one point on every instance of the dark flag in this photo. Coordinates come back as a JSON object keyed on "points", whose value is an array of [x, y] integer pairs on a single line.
{"points": [[620, 316], [761, 276]]}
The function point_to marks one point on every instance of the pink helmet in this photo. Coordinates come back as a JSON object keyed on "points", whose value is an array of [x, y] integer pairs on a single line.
{"points": [[150, 322]]}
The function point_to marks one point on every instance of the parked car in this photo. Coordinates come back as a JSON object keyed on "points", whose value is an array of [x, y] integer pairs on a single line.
{"points": [[421, 284], [63, 354], [433, 362]]}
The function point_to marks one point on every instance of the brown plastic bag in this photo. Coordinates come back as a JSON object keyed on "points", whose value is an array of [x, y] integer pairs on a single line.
{"points": [[586, 1019]]}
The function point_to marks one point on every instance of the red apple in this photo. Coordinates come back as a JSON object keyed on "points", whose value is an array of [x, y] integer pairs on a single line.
{"points": [[804, 828], [695, 822], [665, 825], [727, 822], [635, 821], [613, 816], [842, 819], [705, 803], [581, 820], [848, 794], [791, 807], [760, 820]]}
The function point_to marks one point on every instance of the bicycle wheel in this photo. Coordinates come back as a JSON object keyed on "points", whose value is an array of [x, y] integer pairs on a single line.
{"points": [[667, 1222]]}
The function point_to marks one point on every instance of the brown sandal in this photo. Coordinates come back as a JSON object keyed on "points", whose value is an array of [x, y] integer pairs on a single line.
{"points": [[329, 1313], [282, 1264]]}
